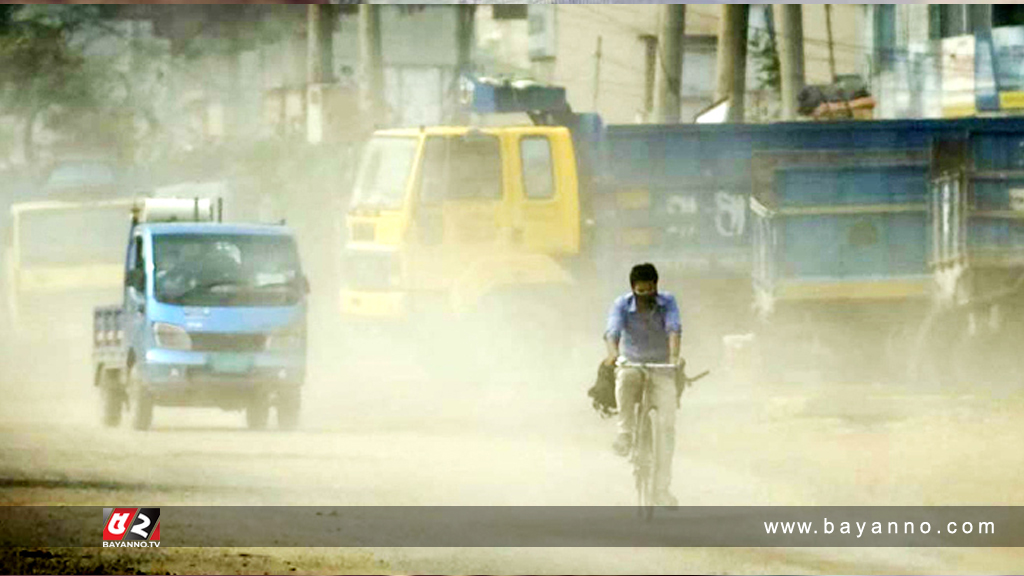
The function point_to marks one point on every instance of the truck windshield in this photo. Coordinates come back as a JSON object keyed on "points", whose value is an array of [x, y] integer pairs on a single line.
{"points": [[226, 270], [61, 237], [384, 173]]}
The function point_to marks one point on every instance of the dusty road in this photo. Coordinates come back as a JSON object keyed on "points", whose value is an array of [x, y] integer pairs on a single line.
{"points": [[384, 435]]}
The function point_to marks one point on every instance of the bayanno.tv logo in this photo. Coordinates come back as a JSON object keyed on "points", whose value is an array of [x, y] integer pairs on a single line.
{"points": [[131, 527]]}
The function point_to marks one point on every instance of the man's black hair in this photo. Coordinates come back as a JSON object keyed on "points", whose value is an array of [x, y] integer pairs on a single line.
{"points": [[645, 272]]}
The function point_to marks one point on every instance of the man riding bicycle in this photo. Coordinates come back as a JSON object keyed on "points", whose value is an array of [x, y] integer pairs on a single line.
{"points": [[644, 327]]}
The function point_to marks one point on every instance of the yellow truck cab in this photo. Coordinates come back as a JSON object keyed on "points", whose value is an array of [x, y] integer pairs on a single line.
{"points": [[441, 217]]}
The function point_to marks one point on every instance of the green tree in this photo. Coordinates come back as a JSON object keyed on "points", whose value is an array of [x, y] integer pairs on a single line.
{"points": [[38, 68]]}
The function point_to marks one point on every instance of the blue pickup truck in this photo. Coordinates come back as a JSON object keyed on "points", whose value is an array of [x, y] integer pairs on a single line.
{"points": [[213, 314]]}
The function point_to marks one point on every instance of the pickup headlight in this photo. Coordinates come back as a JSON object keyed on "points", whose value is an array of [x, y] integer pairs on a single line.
{"points": [[171, 337], [285, 341]]}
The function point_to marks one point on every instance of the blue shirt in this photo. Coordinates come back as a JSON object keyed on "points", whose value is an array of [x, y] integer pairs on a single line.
{"points": [[643, 336]]}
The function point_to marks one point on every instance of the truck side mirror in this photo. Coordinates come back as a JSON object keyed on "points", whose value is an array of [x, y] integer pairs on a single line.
{"points": [[305, 284]]}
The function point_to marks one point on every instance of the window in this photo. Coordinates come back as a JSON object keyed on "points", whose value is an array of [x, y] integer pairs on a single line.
{"points": [[1007, 15], [885, 34], [383, 172], [461, 168], [949, 20], [81, 174], [226, 270], [475, 168], [509, 11], [138, 260], [71, 237], [538, 172]]}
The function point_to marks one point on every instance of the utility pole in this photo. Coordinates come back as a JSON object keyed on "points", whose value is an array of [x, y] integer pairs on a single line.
{"points": [[831, 48], [597, 74], [464, 28], [320, 20], [789, 21], [673, 27], [732, 58], [465, 25], [650, 72], [371, 64]]}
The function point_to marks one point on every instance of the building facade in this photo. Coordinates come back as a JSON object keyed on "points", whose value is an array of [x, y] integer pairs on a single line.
{"points": [[561, 46], [946, 60]]}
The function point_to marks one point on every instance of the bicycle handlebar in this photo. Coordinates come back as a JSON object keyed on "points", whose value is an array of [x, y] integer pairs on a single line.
{"points": [[648, 365], [627, 364]]}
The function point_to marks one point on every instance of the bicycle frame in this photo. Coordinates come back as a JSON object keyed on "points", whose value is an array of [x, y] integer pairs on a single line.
{"points": [[644, 449]]}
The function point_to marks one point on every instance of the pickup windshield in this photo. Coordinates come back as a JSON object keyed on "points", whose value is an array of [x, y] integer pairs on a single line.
{"points": [[384, 173], [226, 270]]}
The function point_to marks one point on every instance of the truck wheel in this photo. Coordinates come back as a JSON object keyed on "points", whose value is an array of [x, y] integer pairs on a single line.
{"points": [[257, 412], [141, 402], [113, 400], [289, 404]]}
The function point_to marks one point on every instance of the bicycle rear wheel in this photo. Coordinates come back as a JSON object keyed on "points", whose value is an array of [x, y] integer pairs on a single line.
{"points": [[645, 462]]}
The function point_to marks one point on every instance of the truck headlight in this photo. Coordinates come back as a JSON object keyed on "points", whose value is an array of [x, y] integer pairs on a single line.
{"points": [[285, 341], [171, 337]]}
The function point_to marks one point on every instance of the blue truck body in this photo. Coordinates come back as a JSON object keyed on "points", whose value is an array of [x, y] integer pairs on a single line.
{"points": [[237, 348]]}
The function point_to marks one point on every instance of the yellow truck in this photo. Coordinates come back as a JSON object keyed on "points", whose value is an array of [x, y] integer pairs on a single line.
{"points": [[442, 217], [539, 224], [59, 258]]}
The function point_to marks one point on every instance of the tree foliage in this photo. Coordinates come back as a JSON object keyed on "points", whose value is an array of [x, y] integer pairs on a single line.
{"points": [[44, 76], [766, 59]]}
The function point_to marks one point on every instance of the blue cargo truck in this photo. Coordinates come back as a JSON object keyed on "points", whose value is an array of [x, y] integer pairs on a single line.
{"points": [[850, 274], [973, 331], [213, 314], [839, 255]]}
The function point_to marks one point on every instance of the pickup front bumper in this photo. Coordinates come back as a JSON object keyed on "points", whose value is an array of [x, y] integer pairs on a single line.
{"points": [[227, 380]]}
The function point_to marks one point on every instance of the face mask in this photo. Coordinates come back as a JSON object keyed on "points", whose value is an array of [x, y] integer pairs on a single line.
{"points": [[648, 299]]}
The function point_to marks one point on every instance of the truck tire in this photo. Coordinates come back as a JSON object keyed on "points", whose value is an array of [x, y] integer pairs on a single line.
{"points": [[257, 412], [112, 399], [141, 403], [289, 405]]}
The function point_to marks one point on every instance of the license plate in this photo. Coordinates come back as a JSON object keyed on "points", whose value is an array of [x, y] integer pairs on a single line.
{"points": [[232, 363]]}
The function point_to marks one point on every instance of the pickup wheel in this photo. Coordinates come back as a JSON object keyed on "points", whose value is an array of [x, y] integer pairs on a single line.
{"points": [[113, 399], [257, 412], [289, 404], [141, 402]]}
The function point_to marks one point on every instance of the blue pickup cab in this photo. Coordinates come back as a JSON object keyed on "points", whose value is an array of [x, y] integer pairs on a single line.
{"points": [[213, 314]]}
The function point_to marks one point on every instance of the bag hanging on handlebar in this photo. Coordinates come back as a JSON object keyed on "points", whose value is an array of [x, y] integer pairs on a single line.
{"points": [[602, 393]]}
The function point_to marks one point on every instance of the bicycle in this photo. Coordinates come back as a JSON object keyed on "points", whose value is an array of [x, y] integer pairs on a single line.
{"points": [[644, 447]]}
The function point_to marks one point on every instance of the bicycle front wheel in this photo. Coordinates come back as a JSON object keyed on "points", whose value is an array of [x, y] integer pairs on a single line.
{"points": [[645, 462]]}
